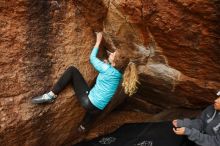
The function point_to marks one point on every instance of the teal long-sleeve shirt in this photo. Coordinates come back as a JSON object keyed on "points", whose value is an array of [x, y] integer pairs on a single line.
{"points": [[106, 83]]}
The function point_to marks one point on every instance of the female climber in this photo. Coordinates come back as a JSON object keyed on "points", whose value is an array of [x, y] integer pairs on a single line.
{"points": [[205, 130], [109, 78]]}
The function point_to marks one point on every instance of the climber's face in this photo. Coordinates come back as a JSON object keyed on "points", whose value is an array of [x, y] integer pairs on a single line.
{"points": [[217, 103], [111, 58]]}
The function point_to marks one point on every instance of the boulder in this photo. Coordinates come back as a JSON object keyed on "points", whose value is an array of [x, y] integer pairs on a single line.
{"points": [[175, 45]]}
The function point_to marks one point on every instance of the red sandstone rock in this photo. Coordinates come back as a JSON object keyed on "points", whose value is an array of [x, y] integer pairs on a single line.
{"points": [[177, 46]]}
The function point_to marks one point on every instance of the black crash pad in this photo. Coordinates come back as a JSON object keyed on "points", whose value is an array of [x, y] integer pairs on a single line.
{"points": [[140, 134]]}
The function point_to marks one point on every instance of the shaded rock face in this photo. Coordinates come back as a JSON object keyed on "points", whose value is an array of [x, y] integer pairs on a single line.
{"points": [[175, 45]]}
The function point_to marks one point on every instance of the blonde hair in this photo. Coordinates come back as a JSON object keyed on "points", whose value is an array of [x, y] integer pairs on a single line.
{"points": [[129, 71], [130, 79], [127, 67]]}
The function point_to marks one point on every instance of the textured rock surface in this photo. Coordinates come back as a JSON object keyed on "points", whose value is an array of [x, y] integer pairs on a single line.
{"points": [[177, 46]]}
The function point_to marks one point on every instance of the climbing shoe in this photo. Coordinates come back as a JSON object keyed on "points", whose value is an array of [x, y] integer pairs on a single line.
{"points": [[82, 129], [46, 98], [218, 93]]}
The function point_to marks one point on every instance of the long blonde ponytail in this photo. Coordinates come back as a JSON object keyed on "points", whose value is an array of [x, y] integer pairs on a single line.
{"points": [[130, 79]]}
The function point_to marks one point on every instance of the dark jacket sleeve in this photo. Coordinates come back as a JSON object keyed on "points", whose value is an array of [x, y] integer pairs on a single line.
{"points": [[202, 139], [197, 123]]}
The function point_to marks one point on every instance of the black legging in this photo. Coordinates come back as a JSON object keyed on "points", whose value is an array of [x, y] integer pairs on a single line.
{"points": [[81, 89]]}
